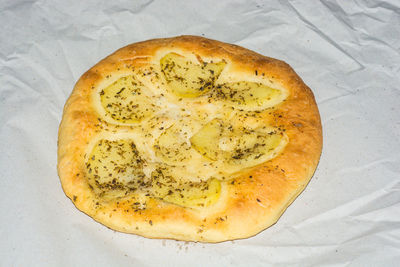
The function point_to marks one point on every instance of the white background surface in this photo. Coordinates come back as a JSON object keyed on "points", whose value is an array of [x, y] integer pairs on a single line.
{"points": [[348, 52]]}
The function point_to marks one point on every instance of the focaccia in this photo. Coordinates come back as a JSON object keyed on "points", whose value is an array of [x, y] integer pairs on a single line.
{"points": [[188, 138]]}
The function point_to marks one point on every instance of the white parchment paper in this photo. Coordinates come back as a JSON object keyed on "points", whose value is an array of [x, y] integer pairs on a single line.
{"points": [[348, 52]]}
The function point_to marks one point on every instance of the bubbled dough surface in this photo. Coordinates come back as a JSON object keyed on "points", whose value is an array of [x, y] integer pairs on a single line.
{"points": [[251, 203]]}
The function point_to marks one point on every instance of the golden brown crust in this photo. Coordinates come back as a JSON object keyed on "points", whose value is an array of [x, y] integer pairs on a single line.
{"points": [[254, 201]]}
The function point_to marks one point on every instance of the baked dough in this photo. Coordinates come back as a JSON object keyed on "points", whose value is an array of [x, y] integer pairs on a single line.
{"points": [[188, 138]]}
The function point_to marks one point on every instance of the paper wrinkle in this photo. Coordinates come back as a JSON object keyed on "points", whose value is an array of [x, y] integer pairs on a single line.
{"points": [[348, 52], [349, 207], [66, 60], [15, 5], [366, 166], [377, 229], [118, 9], [344, 17], [380, 215], [385, 5], [376, 41], [335, 98], [324, 36]]}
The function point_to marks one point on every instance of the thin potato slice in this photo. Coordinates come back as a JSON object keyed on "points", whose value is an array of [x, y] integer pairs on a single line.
{"points": [[247, 95], [185, 193], [188, 79], [126, 101], [114, 166], [219, 141]]}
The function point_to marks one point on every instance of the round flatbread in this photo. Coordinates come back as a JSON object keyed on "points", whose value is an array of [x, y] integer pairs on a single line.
{"points": [[188, 138]]}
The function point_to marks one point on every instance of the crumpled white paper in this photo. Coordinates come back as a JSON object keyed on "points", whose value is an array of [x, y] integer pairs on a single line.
{"points": [[348, 52]]}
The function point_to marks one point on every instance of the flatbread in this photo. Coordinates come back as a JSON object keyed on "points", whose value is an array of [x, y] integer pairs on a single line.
{"points": [[188, 138]]}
